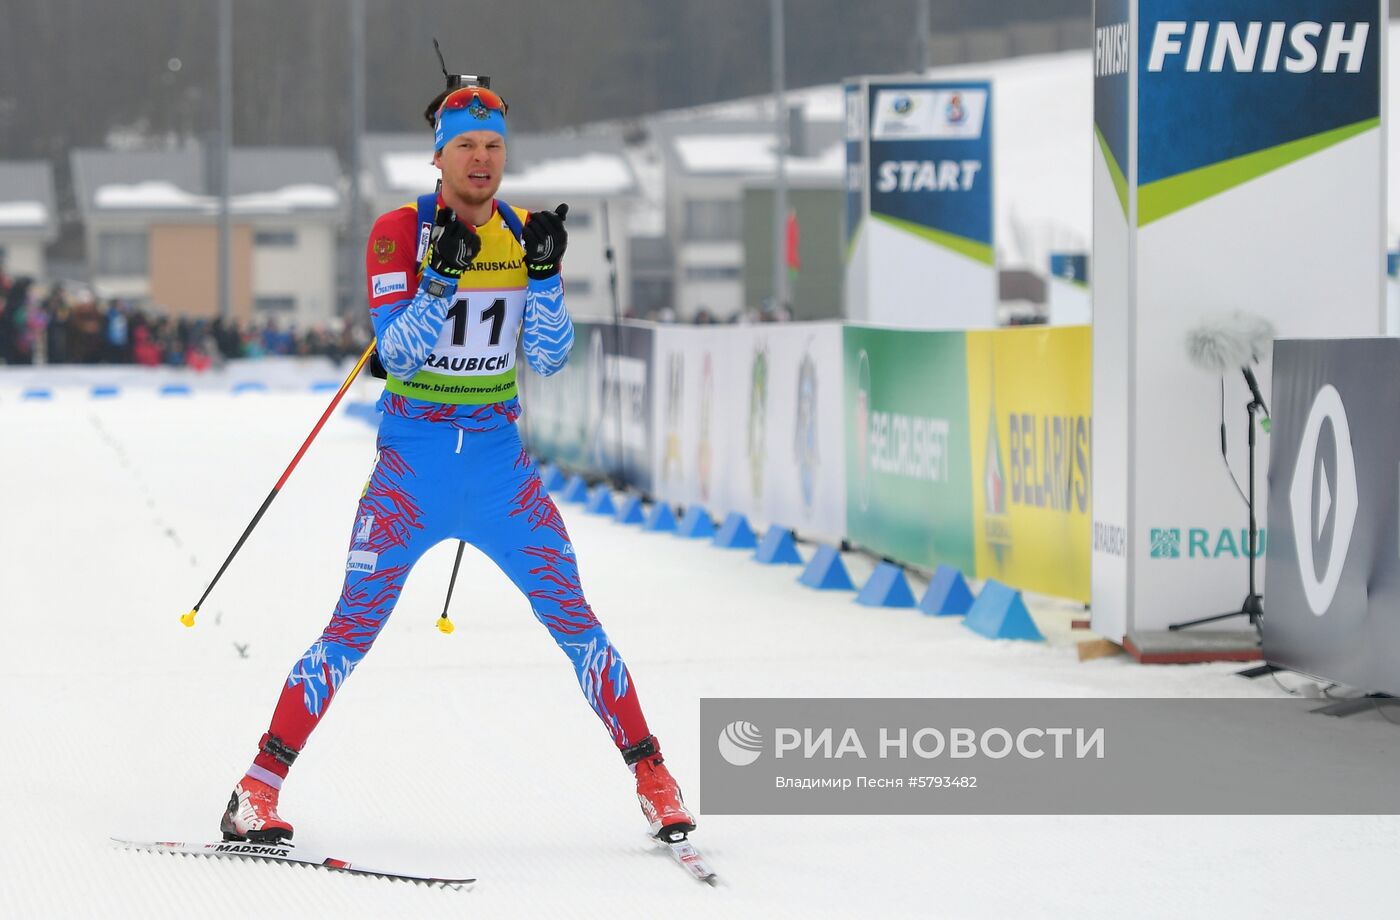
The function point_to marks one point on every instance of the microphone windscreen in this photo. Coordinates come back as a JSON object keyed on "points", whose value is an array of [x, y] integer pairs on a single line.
{"points": [[1256, 332], [1217, 347]]}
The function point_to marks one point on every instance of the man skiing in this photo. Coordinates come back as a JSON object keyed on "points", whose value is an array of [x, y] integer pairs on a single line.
{"points": [[453, 281]]}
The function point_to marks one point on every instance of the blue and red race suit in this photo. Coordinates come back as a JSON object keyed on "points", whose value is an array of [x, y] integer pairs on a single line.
{"points": [[451, 465]]}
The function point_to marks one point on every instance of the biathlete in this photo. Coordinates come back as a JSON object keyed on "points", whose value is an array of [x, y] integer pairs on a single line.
{"points": [[454, 280]]}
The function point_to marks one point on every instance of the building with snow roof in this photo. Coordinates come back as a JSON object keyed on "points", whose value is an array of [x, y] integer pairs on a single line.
{"points": [[590, 174], [27, 219], [708, 166], [151, 224]]}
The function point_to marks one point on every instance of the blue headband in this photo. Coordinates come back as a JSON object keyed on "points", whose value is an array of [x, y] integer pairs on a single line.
{"points": [[475, 117]]}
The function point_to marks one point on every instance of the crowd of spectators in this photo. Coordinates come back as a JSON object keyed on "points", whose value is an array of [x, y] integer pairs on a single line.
{"points": [[52, 326]]}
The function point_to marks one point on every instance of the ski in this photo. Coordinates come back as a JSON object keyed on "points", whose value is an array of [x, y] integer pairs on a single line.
{"points": [[690, 859], [282, 852]]}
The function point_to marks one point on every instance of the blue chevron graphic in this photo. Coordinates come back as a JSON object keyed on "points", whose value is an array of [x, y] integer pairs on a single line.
{"points": [[548, 333]]}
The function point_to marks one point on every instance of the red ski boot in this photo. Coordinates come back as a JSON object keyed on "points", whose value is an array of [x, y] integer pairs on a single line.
{"points": [[252, 814], [658, 793]]}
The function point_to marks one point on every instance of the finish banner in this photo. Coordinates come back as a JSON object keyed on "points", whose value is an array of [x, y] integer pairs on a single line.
{"points": [[1029, 399], [1277, 82]]}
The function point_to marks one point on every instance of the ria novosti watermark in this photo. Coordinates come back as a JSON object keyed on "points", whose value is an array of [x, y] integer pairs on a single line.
{"points": [[894, 756], [741, 743]]}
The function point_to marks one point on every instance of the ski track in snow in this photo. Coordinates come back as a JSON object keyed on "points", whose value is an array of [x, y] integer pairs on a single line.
{"points": [[475, 753]]}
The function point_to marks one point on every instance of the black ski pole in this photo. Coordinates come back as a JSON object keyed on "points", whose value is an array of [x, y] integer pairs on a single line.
{"points": [[444, 624], [188, 618]]}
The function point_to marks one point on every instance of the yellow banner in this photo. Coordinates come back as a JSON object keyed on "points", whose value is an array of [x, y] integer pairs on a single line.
{"points": [[1029, 399]]}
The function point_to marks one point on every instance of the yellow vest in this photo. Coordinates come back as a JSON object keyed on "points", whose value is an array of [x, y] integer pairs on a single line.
{"points": [[473, 362]]}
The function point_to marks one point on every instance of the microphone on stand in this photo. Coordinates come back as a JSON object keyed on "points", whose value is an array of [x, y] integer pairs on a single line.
{"points": [[1258, 334], [1235, 340], [1220, 344]]}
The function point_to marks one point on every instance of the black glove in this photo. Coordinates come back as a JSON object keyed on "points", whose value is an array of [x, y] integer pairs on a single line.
{"points": [[453, 246], [545, 240]]}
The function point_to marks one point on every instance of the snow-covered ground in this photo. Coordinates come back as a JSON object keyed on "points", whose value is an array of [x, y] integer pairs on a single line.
{"points": [[475, 753]]}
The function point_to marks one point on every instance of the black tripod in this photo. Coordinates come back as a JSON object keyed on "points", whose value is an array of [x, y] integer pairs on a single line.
{"points": [[1253, 606]]}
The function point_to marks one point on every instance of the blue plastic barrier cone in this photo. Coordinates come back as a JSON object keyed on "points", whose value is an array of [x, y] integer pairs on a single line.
{"points": [[696, 523], [735, 533], [826, 571], [575, 491], [631, 511], [947, 594], [553, 478], [661, 519], [601, 500], [1000, 613], [887, 587], [777, 548]]}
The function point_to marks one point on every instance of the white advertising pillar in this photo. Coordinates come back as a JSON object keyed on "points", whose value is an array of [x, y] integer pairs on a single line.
{"points": [[1239, 165]]}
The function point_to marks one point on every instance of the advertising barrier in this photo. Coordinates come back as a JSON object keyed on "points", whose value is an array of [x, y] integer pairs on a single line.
{"points": [[972, 450], [1332, 579], [908, 467], [1029, 394], [968, 449], [595, 414], [696, 415], [747, 419]]}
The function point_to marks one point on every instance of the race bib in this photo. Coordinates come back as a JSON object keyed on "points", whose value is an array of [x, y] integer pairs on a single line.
{"points": [[479, 336]]}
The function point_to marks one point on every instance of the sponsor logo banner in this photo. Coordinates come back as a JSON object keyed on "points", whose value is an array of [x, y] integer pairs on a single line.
{"points": [[908, 488], [1018, 757], [1029, 398]]}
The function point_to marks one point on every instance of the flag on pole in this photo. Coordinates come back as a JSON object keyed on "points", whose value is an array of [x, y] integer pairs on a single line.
{"points": [[794, 260]]}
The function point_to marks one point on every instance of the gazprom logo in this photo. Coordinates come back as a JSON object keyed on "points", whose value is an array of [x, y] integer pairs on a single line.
{"points": [[1323, 499], [1262, 47]]}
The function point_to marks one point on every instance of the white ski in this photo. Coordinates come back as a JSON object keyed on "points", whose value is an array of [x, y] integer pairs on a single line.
{"points": [[690, 859], [283, 852]]}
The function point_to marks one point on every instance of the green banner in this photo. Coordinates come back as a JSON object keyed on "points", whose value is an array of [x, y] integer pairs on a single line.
{"points": [[908, 458]]}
